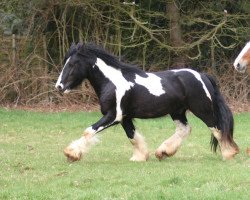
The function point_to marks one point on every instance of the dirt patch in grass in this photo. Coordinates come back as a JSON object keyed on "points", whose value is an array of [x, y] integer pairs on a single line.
{"points": [[236, 107], [54, 107]]}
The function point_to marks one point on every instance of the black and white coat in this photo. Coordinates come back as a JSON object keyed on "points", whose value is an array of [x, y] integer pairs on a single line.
{"points": [[126, 92]]}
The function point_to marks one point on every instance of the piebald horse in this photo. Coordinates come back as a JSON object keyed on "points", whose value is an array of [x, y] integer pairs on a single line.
{"points": [[126, 92]]}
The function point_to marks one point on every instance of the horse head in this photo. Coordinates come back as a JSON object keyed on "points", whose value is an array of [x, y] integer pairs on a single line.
{"points": [[75, 70], [242, 62]]}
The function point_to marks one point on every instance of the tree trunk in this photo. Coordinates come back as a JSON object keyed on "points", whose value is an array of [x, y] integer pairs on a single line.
{"points": [[176, 40]]}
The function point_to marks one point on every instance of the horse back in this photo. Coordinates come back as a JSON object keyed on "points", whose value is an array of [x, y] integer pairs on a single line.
{"points": [[140, 102]]}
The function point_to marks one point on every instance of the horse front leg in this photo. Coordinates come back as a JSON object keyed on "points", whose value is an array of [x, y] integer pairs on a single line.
{"points": [[80, 147], [140, 152]]}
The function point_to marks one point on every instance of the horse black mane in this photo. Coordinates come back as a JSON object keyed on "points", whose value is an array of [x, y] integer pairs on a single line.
{"points": [[90, 49]]}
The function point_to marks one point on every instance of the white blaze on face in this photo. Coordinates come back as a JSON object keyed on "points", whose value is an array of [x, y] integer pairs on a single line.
{"points": [[58, 83], [152, 83], [198, 77], [241, 54], [121, 84]]}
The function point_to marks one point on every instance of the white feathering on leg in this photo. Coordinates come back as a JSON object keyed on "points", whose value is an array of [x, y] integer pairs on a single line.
{"points": [[82, 145], [140, 148]]}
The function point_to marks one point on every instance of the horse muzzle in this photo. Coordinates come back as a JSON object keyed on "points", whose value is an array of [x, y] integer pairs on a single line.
{"points": [[240, 68], [62, 89]]}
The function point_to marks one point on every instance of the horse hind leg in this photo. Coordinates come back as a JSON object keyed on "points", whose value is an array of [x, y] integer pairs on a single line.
{"points": [[170, 146], [227, 146], [225, 140]]}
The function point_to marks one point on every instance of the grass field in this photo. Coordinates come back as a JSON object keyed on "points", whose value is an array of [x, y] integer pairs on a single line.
{"points": [[33, 166]]}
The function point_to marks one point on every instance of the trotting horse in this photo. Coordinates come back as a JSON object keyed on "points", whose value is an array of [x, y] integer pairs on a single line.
{"points": [[242, 62], [126, 92]]}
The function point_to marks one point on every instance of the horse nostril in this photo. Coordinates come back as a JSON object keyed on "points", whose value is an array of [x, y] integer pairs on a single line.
{"points": [[238, 66], [59, 87]]}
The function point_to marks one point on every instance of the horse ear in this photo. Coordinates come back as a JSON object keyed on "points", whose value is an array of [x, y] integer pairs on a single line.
{"points": [[79, 46], [71, 49]]}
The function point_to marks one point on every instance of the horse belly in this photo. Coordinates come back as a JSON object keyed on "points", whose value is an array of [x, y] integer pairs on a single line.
{"points": [[153, 107]]}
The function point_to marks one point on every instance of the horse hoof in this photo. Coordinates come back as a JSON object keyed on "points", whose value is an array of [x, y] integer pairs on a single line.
{"points": [[248, 151], [141, 158], [134, 159], [161, 155], [228, 152], [229, 155], [72, 155]]}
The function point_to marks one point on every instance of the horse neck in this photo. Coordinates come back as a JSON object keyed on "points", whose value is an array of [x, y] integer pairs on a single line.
{"points": [[97, 80], [102, 74]]}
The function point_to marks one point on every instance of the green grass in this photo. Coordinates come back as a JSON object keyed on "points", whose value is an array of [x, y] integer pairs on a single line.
{"points": [[33, 166]]}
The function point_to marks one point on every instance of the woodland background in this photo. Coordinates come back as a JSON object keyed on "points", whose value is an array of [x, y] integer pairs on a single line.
{"points": [[154, 34]]}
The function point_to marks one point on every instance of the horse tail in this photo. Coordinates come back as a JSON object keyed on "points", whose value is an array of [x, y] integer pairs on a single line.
{"points": [[224, 118]]}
